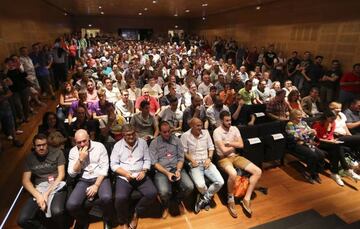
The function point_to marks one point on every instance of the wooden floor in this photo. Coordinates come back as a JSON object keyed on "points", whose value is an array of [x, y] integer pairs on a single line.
{"points": [[288, 193]]}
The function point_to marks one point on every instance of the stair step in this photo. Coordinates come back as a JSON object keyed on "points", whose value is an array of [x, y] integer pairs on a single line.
{"points": [[354, 225], [331, 221], [291, 220]]}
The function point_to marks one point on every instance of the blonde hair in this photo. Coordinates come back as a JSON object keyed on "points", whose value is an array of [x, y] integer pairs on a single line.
{"points": [[294, 113], [101, 91], [335, 105]]}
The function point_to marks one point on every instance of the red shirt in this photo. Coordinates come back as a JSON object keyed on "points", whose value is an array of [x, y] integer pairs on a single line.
{"points": [[348, 78], [321, 130], [154, 104]]}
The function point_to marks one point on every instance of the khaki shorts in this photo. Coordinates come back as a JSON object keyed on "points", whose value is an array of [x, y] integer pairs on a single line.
{"points": [[235, 161]]}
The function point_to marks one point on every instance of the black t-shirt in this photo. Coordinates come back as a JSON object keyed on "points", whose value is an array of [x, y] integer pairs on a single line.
{"points": [[19, 80], [315, 73], [42, 168], [269, 57], [332, 73], [292, 63], [242, 118], [236, 85]]}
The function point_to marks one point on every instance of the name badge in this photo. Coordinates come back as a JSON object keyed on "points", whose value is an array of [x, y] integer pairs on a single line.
{"points": [[51, 179]]}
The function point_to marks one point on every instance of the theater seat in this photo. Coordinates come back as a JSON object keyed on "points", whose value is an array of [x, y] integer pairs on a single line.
{"points": [[254, 151], [274, 145]]}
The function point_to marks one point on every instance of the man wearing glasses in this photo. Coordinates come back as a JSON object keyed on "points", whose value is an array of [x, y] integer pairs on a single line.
{"points": [[89, 160], [130, 160], [43, 179]]}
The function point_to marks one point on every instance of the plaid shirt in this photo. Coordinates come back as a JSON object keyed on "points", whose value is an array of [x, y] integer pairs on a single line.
{"points": [[278, 108]]}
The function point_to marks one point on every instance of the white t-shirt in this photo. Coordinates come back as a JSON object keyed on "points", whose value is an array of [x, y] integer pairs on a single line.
{"points": [[340, 124], [225, 136]]}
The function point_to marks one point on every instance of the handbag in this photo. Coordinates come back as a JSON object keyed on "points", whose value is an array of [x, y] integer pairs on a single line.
{"points": [[241, 185]]}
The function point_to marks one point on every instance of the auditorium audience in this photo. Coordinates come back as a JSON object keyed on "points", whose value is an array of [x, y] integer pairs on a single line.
{"points": [[119, 82]]}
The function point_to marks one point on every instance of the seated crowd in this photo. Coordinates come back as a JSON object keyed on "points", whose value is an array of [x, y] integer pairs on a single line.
{"points": [[163, 118]]}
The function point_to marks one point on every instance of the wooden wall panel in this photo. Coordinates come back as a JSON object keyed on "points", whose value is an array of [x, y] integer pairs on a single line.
{"points": [[24, 22], [325, 27]]}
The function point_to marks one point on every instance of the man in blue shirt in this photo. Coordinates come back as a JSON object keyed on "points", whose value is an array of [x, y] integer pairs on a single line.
{"points": [[130, 160]]}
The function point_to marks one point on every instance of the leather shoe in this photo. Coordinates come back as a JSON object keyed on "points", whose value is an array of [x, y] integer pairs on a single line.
{"points": [[246, 206], [232, 210]]}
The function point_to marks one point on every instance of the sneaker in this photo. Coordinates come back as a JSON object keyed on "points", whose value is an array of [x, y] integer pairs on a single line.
{"points": [[337, 179], [246, 206], [201, 204], [232, 210], [352, 174], [207, 207]]}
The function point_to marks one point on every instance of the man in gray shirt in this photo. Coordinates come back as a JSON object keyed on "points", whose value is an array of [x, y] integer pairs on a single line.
{"points": [[167, 156]]}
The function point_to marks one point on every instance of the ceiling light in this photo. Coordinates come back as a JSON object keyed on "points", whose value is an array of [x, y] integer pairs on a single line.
{"points": [[176, 26], [258, 7], [187, 11], [102, 12], [145, 9], [100, 7], [90, 25], [204, 5], [203, 18], [175, 15], [140, 14], [65, 14], [154, 1]]}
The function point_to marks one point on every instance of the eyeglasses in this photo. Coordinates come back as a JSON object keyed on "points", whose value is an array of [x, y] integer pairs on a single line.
{"points": [[40, 145]]}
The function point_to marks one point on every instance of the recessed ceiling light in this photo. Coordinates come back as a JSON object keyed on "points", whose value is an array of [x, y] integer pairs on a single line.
{"points": [[203, 18], [204, 5], [176, 26], [258, 7], [187, 11], [175, 15], [65, 14], [154, 1], [145, 9], [100, 7], [140, 13], [90, 25], [102, 12]]}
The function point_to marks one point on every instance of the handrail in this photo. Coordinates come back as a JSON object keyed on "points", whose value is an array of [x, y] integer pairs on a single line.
{"points": [[11, 208]]}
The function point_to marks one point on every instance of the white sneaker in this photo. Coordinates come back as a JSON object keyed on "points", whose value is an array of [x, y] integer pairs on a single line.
{"points": [[337, 179], [10, 137], [352, 174]]}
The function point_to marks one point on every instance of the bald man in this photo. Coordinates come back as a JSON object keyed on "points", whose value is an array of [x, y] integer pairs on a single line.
{"points": [[199, 150], [89, 161]]}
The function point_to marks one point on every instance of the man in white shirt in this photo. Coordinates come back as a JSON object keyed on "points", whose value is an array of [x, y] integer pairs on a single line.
{"points": [[112, 93], [124, 106], [130, 161], [199, 149], [89, 160], [227, 139], [204, 87]]}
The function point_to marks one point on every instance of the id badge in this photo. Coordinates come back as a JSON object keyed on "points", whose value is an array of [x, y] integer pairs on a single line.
{"points": [[51, 179]]}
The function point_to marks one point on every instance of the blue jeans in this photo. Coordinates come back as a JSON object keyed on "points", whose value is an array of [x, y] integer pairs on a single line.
{"points": [[212, 173], [165, 188]]}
